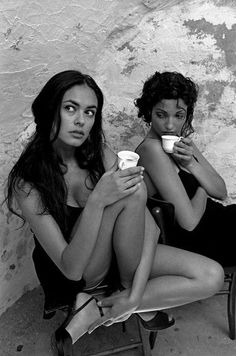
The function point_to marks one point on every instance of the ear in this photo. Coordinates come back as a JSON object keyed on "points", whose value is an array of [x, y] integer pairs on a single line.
{"points": [[150, 117]]}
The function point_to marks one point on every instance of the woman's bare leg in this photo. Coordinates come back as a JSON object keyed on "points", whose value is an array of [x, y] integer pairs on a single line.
{"points": [[126, 220], [187, 278], [178, 277], [128, 235]]}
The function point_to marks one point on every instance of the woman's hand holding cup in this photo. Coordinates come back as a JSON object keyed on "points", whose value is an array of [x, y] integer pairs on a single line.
{"points": [[183, 152], [117, 184], [168, 142]]}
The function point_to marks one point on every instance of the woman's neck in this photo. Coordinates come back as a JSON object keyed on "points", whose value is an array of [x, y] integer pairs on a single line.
{"points": [[152, 134], [66, 152]]}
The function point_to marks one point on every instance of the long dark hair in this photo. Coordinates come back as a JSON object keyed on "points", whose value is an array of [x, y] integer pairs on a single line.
{"points": [[168, 85], [39, 164]]}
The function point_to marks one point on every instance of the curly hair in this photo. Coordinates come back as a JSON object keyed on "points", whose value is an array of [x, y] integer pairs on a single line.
{"points": [[168, 85], [39, 164]]}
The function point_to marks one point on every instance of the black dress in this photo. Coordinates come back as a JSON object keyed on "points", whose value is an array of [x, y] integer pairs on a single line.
{"points": [[215, 234], [59, 291]]}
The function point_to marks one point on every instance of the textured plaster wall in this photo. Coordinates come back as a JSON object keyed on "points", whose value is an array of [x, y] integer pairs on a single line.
{"points": [[120, 43]]}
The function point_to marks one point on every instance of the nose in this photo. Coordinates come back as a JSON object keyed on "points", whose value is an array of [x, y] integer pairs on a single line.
{"points": [[170, 123], [79, 119]]}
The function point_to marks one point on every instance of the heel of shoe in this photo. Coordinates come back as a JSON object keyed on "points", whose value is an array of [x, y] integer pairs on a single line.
{"points": [[159, 322], [63, 342]]}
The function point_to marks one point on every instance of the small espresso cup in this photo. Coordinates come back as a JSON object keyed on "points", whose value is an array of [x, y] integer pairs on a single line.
{"points": [[127, 159], [168, 142]]}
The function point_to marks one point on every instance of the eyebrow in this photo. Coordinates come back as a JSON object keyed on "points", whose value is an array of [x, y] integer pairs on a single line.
{"points": [[180, 108], [77, 104]]}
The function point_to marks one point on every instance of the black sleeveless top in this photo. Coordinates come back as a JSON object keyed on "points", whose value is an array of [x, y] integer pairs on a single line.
{"points": [[214, 235], [59, 291]]}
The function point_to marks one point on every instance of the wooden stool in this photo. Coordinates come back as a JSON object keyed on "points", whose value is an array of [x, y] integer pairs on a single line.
{"points": [[230, 282]]}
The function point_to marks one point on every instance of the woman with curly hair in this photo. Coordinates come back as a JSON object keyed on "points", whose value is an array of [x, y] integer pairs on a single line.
{"points": [[90, 220], [185, 178]]}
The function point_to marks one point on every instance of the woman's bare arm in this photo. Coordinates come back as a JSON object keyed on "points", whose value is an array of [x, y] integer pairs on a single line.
{"points": [[207, 176], [163, 175], [71, 258]]}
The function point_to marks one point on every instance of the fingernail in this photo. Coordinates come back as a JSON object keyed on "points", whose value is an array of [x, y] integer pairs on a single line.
{"points": [[99, 303]]}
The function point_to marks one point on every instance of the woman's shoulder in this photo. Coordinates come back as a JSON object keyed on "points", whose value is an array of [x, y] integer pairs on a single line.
{"points": [[22, 188], [24, 192], [149, 146], [153, 157]]}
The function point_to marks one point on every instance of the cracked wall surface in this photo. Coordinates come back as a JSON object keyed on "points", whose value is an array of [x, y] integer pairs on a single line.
{"points": [[119, 43]]}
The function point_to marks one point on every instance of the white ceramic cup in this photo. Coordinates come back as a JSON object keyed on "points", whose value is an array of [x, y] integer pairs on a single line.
{"points": [[168, 142], [127, 159]]}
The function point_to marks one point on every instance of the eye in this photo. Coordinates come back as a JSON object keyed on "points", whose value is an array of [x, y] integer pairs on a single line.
{"points": [[181, 116], [90, 113], [69, 108], [160, 115]]}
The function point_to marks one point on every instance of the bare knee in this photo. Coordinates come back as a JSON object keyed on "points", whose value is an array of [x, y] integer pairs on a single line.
{"points": [[212, 278], [138, 197]]}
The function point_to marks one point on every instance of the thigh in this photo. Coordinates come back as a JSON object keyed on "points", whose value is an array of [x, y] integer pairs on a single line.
{"points": [[117, 229], [101, 257], [174, 261]]}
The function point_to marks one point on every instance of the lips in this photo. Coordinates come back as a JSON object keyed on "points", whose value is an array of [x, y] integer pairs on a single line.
{"points": [[78, 134]]}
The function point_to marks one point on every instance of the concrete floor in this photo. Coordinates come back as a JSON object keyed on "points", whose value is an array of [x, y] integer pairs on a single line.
{"points": [[201, 330]]}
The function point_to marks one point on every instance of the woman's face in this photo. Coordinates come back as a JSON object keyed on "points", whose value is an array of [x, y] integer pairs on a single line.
{"points": [[168, 117], [78, 110]]}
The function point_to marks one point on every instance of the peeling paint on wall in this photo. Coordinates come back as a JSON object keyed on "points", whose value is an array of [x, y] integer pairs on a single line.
{"points": [[21, 249], [6, 255], [224, 37], [160, 4], [119, 43]]}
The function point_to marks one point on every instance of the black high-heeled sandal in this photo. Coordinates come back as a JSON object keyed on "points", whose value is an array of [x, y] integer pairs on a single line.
{"points": [[63, 340], [159, 322]]}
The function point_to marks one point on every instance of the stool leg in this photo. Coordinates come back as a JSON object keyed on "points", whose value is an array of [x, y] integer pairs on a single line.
{"points": [[231, 307], [144, 338], [152, 339]]}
